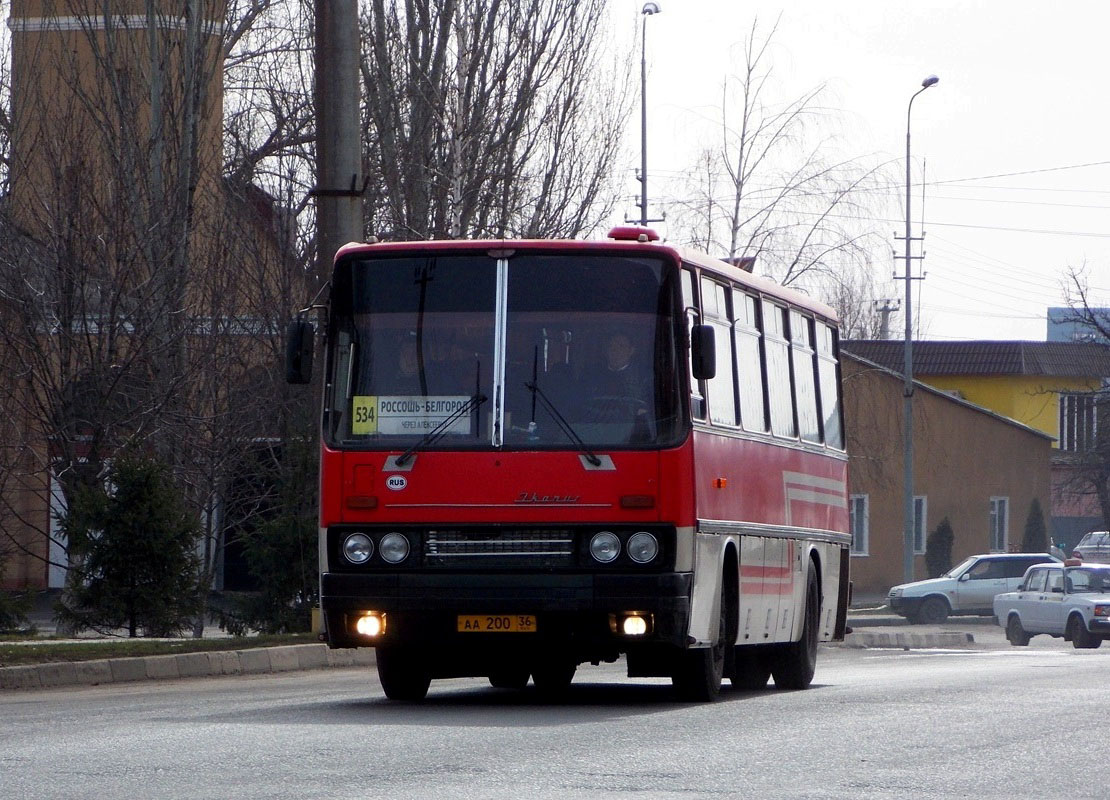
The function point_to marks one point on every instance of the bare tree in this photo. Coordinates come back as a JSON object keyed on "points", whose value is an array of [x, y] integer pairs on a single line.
{"points": [[1085, 416], [140, 287], [491, 117], [768, 188]]}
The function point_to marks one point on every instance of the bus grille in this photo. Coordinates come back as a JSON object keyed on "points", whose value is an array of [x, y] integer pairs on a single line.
{"points": [[502, 548]]}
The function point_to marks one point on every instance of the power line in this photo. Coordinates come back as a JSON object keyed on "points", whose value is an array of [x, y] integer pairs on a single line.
{"points": [[1023, 172]]}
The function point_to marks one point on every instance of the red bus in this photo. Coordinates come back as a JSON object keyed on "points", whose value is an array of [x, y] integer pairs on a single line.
{"points": [[542, 454]]}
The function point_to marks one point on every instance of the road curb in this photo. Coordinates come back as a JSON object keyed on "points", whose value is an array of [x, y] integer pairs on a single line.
{"points": [[251, 661], [904, 640]]}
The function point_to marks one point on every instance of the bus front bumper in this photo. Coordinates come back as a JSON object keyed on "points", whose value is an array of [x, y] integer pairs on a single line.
{"points": [[427, 607]]}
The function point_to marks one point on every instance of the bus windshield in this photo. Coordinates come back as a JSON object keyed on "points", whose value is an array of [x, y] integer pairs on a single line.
{"points": [[536, 351]]}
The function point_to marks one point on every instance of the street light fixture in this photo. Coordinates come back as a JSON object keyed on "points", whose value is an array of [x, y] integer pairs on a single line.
{"points": [[907, 391], [648, 10]]}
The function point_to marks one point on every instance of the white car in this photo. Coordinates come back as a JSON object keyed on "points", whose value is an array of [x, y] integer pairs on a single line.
{"points": [[1094, 546], [967, 588], [1071, 600]]}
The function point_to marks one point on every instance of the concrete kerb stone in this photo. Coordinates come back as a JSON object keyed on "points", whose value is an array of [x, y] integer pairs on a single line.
{"points": [[20, 678], [93, 672], [127, 669], [903, 640]]}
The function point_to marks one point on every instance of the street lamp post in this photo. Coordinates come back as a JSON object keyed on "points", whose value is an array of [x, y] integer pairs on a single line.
{"points": [[648, 10], [907, 391]]}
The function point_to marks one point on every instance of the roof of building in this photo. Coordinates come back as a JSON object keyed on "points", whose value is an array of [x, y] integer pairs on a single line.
{"points": [[896, 374], [1056, 359]]}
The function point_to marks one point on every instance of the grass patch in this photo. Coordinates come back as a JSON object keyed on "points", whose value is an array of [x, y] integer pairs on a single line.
{"points": [[45, 652]]}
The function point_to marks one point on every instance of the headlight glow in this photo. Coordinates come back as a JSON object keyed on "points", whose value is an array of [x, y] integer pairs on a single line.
{"points": [[371, 624], [357, 548], [605, 547], [634, 626]]}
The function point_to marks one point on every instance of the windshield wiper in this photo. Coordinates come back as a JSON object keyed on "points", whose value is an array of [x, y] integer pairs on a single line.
{"points": [[561, 421], [439, 430]]}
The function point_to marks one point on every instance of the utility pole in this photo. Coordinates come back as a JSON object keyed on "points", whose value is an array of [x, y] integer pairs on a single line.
{"points": [[649, 9], [886, 307], [339, 182], [907, 391]]}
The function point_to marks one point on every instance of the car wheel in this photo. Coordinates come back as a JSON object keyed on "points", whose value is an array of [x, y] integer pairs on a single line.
{"points": [[1081, 638], [1015, 633], [933, 611]]}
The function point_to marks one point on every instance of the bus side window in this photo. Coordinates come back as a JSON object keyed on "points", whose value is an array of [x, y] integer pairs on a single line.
{"points": [[776, 350], [747, 337], [690, 303], [829, 386], [722, 388], [805, 379]]}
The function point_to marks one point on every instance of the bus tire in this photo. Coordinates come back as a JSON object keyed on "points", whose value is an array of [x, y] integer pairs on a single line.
{"points": [[403, 673], [699, 673], [553, 677], [794, 664], [752, 670], [509, 678]]}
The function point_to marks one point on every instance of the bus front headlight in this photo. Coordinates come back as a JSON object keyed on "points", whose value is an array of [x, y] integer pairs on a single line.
{"points": [[643, 547], [357, 548], [605, 547]]}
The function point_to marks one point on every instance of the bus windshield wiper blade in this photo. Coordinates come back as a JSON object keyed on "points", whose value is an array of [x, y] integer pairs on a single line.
{"points": [[561, 421], [439, 430]]}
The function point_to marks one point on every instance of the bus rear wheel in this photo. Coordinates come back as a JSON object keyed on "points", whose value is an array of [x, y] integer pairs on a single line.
{"points": [[794, 664], [752, 670], [553, 677], [403, 673]]}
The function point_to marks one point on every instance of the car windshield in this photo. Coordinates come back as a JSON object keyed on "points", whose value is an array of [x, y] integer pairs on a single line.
{"points": [[1084, 581], [960, 568]]}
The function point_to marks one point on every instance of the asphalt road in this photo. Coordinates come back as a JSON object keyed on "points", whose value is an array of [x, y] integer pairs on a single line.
{"points": [[988, 722]]}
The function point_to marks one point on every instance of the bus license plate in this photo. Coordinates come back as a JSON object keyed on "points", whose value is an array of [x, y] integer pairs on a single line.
{"points": [[497, 623]]}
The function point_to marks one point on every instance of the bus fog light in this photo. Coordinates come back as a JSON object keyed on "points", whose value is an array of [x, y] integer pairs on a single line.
{"points": [[643, 547], [357, 548], [394, 548], [605, 547], [634, 625], [371, 624]]}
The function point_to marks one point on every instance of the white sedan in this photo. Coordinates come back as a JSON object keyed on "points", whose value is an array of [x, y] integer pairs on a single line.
{"points": [[1071, 600]]}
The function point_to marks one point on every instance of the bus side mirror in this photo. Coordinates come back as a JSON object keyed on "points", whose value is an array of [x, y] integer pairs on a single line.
{"points": [[703, 352], [300, 343]]}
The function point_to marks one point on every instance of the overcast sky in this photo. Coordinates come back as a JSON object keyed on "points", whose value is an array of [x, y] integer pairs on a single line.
{"points": [[1023, 95]]}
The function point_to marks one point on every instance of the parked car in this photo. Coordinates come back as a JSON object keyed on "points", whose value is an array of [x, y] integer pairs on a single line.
{"points": [[967, 588], [1071, 600], [1094, 546]]}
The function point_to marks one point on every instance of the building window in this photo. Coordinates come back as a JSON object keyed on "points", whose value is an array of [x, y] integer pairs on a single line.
{"points": [[999, 523], [920, 520], [857, 521], [1078, 422]]}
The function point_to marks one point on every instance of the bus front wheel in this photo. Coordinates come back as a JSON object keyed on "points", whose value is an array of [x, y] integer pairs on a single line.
{"points": [[403, 673]]}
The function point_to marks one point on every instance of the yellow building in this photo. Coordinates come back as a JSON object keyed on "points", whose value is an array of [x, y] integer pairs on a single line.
{"points": [[1047, 386]]}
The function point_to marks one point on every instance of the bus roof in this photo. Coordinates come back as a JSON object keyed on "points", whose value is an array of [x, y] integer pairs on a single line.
{"points": [[622, 245]]}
